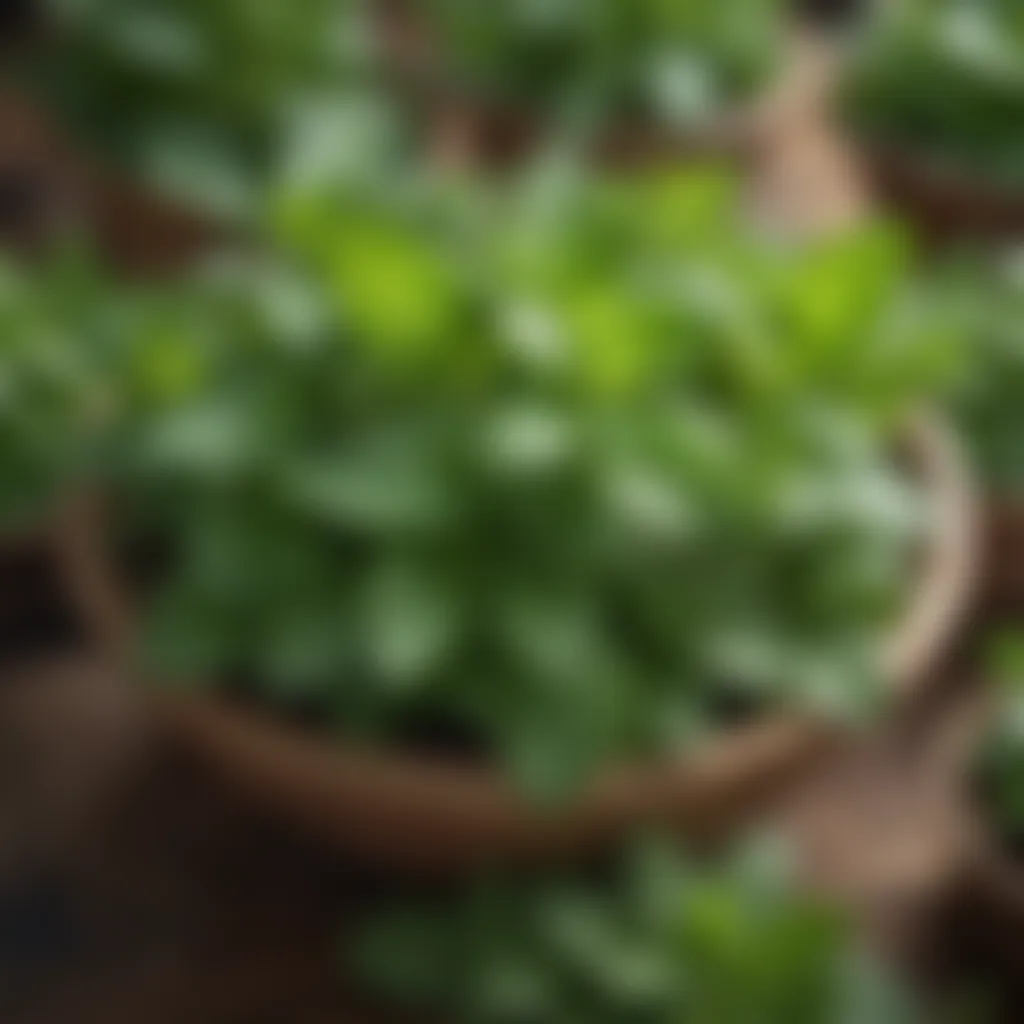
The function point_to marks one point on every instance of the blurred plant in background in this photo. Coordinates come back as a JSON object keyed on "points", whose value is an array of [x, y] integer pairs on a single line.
{"points": [[674, 64], [198, 96], [654, 938], [945, 79], [560, 472]]}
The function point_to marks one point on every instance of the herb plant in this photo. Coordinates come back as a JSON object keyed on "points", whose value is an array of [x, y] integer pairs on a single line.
{"points": [[944, 79], [555, 475], [196, 95], [675, 63], [654, 938]]}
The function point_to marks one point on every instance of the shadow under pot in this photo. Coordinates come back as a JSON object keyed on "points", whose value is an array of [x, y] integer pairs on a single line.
{"points": [[427, 815]]}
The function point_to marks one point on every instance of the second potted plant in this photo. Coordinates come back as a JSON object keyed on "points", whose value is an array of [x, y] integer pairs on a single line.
{"points": [[934, 97]]}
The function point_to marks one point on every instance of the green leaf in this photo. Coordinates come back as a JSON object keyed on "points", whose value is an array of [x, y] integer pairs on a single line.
{"points": [[373, 489], [410, 622]]}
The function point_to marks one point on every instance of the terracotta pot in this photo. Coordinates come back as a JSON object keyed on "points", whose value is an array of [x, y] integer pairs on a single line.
{"points": [[944, 203], [947, 584], [425, 814]]}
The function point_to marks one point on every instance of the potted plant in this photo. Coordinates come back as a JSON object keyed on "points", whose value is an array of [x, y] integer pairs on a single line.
{"points": [[565, 509], [934, 95], [632, 79], [652, 935]]}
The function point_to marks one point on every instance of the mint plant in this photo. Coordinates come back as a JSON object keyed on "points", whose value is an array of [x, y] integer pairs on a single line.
{"points": [[554, 475], [675, 64]]}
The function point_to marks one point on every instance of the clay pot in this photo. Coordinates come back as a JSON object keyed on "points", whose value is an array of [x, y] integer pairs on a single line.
{"points": [[423, 814], [944, 203]]}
